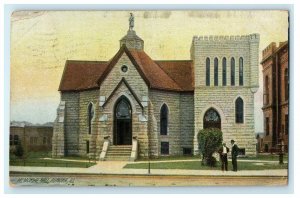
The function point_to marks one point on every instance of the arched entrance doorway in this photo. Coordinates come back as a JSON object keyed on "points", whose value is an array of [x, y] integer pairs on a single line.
{"points": [[211, 119], [122, 122]]}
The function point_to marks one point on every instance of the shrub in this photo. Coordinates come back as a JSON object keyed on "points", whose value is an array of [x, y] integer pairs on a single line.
{"points": [[209, 141], [19, 151]]}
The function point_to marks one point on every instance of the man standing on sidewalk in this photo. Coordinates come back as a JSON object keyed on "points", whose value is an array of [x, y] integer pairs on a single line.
{"points": [[223, 154], [234, 154]]}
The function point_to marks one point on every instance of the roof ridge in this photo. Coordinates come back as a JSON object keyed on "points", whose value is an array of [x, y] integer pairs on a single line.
{"points": [[172, 60], [86, 61]]}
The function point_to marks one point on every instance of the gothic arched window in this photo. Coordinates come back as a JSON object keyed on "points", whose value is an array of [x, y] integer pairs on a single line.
{"points": [[224, 76], [207, 72], [239, 110], [216, 66], [164, 120], [211, 119], [232, 72], [90, 116], [241, 72]]}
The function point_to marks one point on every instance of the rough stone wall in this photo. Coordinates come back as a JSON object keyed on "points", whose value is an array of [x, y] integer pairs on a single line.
{"points": [[172, 100], [186, 119], [85, 98], [222, 98], [71, 122], [132, 76]]}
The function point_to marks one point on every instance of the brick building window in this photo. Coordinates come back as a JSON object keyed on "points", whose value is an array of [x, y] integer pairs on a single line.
{"points": [[266, 95], [267, 127], [16, 139], [239, 110], [33, 140], [90, 117], [232, 72], [216, 67], [45, 140], [286, 84], [11, 140], [224, 70], [207, 72], [241, 72], [286, 124], [164, 120], [164, 148]]}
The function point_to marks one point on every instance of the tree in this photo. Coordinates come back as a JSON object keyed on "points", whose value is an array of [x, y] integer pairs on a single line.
{"points": [[210, 140], [19, 150]]}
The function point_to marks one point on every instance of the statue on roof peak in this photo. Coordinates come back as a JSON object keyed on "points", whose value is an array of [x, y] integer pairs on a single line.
{"points": [[131, 21]]}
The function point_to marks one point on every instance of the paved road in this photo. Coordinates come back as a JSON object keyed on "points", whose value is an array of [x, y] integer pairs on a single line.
{"points": [[42, 179]]}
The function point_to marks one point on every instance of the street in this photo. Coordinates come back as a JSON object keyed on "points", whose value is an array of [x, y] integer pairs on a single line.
{"points": [[42, 179]]}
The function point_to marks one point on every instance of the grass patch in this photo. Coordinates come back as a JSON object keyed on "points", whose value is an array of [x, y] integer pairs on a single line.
{"points": [[36, 159], [196, 165], [268, 157], [166, 158]]}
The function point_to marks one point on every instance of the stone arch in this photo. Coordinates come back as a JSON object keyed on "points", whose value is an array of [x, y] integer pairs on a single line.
{"points": [[129, 98], [218, 109]]}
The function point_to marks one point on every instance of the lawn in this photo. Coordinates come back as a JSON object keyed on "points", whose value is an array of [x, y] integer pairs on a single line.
{"points": [[37, 159], [196, 165]]}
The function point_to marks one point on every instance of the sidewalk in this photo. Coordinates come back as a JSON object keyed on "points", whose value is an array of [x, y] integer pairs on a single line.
{"points": [[116, 168]]}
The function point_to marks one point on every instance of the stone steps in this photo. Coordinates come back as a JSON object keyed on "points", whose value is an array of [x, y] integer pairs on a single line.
{"points": [[118, 153]]}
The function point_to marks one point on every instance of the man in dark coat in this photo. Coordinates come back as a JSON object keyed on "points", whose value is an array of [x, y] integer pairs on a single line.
{"points": [[223, 155], [234, 154]]}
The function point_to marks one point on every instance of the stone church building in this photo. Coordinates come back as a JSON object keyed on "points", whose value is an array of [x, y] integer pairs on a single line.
{"points": [[131, 105]]}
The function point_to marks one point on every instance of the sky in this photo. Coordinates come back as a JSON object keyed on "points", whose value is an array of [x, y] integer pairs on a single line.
{"points": [[41, 42]]}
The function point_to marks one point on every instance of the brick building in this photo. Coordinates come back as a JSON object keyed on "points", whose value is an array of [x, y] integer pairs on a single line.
{"points": [[276, 96], [32, 138], [134, 106]]}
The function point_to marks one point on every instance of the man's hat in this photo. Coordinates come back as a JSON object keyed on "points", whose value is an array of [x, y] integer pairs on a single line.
{"points": [[232, 140]]}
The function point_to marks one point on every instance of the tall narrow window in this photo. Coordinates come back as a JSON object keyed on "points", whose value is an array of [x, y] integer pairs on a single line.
{"points": [[224, 76], [241, 72], [87, 146], [286, 84], [239, 110], [266, 94], [164, 148], [16, 139], [267, 126], [232, 72], [11, 140], [286, 124], [207, 72], [90, 117], [164, 120], [216, 66]]}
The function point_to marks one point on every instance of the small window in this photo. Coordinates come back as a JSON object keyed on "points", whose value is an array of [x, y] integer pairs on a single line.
{"points": [[124, 68], [242, 151], [286, 124], [11, 140], [266, 94], [164, 148], [16, 139], [286, 84], [44, 140], [187, 151], [87, 146], [267, 127], [266, 148], [207, 72]]}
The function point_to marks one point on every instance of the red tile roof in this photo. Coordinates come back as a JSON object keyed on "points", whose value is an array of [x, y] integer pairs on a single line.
{"points": [[81, 75], [162, 75]]}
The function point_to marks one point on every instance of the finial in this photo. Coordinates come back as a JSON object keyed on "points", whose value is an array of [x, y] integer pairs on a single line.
{"points": [[131, 21]]}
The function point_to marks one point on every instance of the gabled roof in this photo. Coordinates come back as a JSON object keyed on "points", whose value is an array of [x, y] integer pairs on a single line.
{"points": [[162, 75], [81, 75]]}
